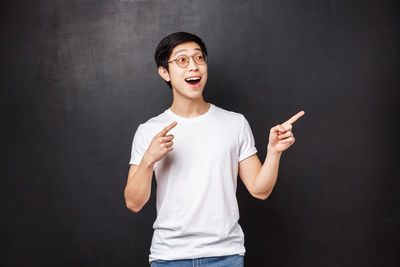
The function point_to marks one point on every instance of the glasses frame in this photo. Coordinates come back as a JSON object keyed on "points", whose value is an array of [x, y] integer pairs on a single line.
{"points": [[205, 60]]}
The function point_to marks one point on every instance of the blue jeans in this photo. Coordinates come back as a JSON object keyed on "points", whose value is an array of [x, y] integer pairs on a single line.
{"points": [[221, 261]]}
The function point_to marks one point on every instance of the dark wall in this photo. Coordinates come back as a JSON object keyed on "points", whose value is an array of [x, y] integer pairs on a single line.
{"points": [[77, 77]]}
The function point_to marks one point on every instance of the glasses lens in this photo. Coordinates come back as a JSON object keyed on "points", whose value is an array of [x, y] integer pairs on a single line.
{"points": [[182, 61], [199, 59]]}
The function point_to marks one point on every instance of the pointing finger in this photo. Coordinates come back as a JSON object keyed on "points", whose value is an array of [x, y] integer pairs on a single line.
{"points": [[294, 118], [167, 128]]}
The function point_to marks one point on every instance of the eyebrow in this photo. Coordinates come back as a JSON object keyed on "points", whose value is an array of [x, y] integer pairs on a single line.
{"points": [[199, 49]]}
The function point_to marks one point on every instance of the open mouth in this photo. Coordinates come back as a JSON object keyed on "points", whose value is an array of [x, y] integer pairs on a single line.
{"points": [[194, 81]]}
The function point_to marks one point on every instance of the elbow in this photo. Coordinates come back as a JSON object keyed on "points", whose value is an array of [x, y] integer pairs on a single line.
{"points": [[133, 207], [135, 203], [130, 203], [262, 196]]}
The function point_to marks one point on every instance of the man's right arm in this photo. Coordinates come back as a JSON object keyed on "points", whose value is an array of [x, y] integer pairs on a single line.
{"points": [[138, 188]]}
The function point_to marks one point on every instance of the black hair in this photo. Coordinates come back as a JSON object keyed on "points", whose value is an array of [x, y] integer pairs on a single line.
{"points": [[166, 45]]}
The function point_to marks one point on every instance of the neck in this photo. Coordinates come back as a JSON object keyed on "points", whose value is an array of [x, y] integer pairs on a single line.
{"points": [[189, 108]]}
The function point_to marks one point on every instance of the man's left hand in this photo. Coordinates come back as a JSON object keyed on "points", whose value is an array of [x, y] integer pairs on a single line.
{"points": [[281, 136]]}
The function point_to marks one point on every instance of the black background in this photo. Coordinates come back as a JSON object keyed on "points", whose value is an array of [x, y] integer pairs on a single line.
{"points": [[77, 77]]}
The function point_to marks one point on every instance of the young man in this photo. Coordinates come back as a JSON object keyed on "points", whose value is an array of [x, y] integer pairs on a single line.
{"points": [[197, 150]]}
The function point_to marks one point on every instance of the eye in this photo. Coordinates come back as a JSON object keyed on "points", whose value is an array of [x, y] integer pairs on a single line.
{"points": [[181, 59], [200, 59]]}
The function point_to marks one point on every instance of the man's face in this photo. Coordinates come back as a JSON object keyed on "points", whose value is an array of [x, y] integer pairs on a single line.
{"points": [[178, 76]]}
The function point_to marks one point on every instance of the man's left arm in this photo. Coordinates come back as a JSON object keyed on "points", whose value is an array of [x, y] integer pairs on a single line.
{"points": [[260, 179]]}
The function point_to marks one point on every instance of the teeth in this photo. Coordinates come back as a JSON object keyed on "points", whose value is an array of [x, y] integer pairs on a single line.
{"points": [[192, 79]]}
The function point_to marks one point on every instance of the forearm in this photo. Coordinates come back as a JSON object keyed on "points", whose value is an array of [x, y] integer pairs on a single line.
{"points": [[138, 189], [265, 180]]}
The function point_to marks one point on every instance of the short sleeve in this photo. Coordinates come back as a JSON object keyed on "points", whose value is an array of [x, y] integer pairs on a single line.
{"points": [[246, 141], [138, 146]]}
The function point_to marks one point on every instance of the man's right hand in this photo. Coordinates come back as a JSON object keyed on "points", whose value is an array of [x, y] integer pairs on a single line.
{"points": [[138, 189], [160, 145]]}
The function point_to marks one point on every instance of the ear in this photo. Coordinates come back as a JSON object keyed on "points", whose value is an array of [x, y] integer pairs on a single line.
{"points": [[164, 73]]}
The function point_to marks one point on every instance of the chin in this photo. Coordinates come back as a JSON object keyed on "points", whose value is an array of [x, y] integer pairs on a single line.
{"points": [[191, 92], [195, 95]]}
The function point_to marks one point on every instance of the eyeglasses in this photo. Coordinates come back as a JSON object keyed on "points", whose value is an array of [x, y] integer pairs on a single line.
{"points": [[183, 61]]}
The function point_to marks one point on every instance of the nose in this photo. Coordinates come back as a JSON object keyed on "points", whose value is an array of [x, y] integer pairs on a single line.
{"points": [[192, 65]]}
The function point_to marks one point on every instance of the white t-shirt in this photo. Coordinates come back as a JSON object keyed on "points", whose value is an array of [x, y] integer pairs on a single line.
{"points": [[197, 210]]}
